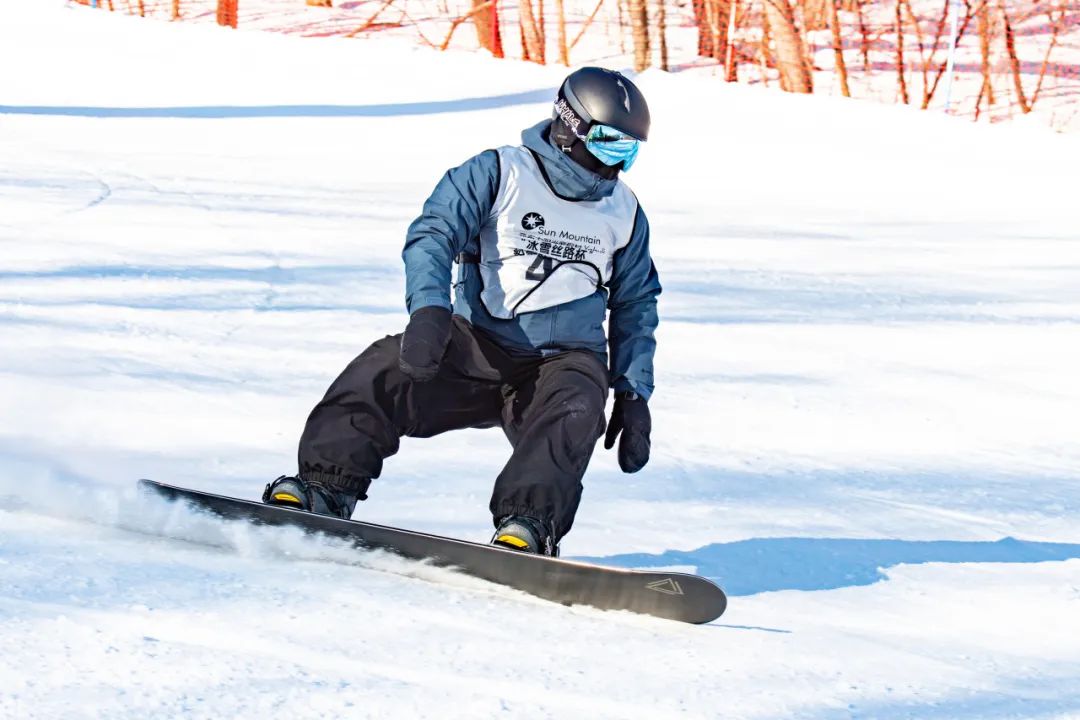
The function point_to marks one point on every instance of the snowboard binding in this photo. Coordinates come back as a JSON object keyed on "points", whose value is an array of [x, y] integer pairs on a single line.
{"points": [[525, 534], [296, 493]]}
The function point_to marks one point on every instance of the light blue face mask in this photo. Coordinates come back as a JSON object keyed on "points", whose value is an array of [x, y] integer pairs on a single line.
{"points": [[612, 146]]}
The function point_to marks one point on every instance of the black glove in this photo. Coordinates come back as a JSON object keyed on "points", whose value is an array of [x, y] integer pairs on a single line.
{"points": [[424, 342], [630, 417]]}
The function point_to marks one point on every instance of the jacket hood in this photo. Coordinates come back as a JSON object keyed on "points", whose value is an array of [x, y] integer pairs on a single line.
{"points": [[567, 177]]}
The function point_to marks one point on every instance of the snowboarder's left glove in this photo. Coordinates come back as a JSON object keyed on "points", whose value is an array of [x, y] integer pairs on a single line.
{"points": [[630, 417], [424, 342]]}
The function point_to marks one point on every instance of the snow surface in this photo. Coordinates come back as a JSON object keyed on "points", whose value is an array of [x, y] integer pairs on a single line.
{"points": [[608, 40], [866, 409]]}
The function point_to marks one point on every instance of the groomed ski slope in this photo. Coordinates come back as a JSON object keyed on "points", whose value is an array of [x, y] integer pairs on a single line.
{"points": [[866, 422]]}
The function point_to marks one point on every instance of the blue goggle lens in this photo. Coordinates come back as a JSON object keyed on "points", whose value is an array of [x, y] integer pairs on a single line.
{"points": [[612, 146]]}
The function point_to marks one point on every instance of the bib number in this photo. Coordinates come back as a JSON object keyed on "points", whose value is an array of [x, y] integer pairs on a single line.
{"points": [[541, 267]]}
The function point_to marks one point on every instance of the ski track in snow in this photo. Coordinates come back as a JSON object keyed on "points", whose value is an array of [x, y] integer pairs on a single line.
{"points": [[865, 414]]}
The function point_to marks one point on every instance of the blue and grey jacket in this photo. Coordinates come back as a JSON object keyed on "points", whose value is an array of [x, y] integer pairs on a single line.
{"points": [[450, 227]]}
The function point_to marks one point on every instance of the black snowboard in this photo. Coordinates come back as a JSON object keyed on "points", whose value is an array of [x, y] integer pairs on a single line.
{"points": [[676, 596]]}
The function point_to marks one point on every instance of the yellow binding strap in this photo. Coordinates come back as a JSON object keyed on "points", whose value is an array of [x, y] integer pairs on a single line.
{"points": [[286, 497], [511, 540]]}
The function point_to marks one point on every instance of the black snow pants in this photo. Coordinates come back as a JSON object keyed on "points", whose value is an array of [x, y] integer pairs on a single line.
{"points": [[550, 408]]}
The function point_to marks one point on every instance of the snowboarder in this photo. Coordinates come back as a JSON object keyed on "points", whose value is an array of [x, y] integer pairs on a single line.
{"points": [[547, 239]]}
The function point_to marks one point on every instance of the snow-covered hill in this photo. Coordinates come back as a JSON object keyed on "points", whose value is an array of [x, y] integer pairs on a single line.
{"points": [[866, 383]]}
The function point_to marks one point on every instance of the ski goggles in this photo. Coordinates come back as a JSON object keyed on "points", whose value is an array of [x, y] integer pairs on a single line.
{"points": [[612, 146]]}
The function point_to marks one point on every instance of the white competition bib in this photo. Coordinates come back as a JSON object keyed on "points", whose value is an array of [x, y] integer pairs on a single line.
{"points": [[538, 250]]}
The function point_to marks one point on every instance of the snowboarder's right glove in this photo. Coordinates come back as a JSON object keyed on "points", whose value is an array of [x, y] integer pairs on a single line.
{"points": [[424, 342], [630, 417]]}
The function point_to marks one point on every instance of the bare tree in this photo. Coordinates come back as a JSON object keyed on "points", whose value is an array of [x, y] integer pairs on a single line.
{"points": [[587, 23], [984, 29], [940, 72], [814, 13], [532, 33], [489, 37], [371, 21], [838, 48], [864, 34], [901, 80], [541, 26], [765, 59], [226, 12], [564, 51], [1058, 25], [790, 59], [622, 25], [924, 63], [1014, 61], [712, 19], [1015, 67], [661, 31], [485, 17], [731, 67], [719, 14], [639, 23], [704, 47], [939, 31]]}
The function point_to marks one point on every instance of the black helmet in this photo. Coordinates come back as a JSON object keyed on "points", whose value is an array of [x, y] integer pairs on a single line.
{"points": [[595, 96]]}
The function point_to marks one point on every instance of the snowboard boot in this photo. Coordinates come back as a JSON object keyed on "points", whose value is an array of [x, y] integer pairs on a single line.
{"points": [[296, 493], [525, 534]]}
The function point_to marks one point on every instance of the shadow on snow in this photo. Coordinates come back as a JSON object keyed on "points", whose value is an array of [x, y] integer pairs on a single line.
{"points": [[761, 565], [275, 274], [289, 111]]}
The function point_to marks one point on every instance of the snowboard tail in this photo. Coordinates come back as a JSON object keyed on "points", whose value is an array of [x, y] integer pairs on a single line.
{"points": [[674, 596]]}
